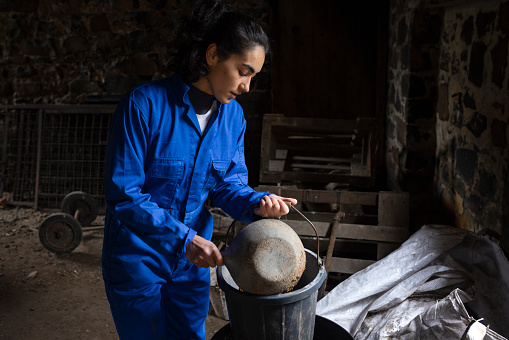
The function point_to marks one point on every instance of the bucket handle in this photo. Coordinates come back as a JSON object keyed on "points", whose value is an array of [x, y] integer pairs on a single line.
{"points": [[316, 233], [289, 204]]}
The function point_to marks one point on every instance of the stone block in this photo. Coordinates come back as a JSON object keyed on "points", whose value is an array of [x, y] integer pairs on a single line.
{"points": [[417, 87], [422, 60], [488, 184], [443, 102], [141, 65], [476, 66], [36, 48], [24, 71], [499, 60], [469, 101], [99, 23], [466, 163], [46, 27], [416, 109], [406, 57], [427, 26], [157, 4], [401, 131], [503, 18], [85, 86], [117, 84], [485, 21], [467, 30], [6, 89], [140, 41], [457, 110], [28, 89], [19, 6], [499, 133], [477, 124], [475, 204], [402, 31], [75, 44], [145, 19]]}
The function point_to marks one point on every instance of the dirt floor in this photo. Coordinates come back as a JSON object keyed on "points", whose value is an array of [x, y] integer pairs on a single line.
{"points": [[49, 296]]}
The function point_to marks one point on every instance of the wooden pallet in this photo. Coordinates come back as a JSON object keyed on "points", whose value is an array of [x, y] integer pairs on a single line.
{"points": [[374, 224], [315, 150]]}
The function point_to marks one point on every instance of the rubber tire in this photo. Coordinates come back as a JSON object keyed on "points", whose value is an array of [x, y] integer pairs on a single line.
{"points": [[83, 201], [60, 233]]}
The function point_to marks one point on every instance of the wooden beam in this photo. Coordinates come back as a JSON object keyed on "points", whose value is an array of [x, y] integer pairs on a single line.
{"points": [[323, 196], [348, 266], [352, 231]]}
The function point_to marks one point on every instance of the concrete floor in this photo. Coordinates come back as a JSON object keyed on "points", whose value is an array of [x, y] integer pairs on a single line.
{"points": [[212, 325]]}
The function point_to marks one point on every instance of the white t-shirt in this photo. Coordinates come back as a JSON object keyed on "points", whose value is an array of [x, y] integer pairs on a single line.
{"points": [[204, 118]]}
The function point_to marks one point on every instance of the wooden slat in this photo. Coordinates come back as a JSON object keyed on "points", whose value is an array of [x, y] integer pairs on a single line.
{"points": [[304, 228], [311, 215], [351, 231], [372, 233], [393, 209], [322, 124], [314, 177], [365, 250], [339, 137], [323, 149], [348, 266], [320, 167], [323, 196], [277, 165], [384, 249], [321, 159]]}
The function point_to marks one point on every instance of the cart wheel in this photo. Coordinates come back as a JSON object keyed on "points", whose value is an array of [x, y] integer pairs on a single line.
{"points": [[60, 233], [81, 203]]}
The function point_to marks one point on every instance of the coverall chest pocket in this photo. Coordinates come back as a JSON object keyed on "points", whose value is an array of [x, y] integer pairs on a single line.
{"points": [[164, 177], [217, 172]]}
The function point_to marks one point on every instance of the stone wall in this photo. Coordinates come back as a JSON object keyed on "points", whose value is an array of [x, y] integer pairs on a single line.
{"points": [[447, 123], [73, 51], [472, 154], [94, 51], [414, 36]]}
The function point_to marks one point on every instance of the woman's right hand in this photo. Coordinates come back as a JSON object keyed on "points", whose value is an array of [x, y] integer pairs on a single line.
{"points": [[203, 253]]}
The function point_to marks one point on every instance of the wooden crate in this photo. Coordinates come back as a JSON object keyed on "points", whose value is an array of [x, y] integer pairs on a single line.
{"points": [[374, 224], [316, 150]]}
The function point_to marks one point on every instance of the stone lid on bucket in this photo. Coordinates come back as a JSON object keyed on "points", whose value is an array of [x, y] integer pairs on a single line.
{"points": [[266, 257]]}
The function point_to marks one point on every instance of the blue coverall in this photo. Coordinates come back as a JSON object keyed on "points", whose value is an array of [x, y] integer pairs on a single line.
{"points": [[160, 169]]}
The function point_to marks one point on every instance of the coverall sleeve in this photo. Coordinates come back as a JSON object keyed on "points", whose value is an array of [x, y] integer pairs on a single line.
{"points": [[232, 193], [124, 179]]}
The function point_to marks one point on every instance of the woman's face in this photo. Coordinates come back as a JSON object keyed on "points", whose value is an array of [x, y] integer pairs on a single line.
{"points": [[231, 77]]}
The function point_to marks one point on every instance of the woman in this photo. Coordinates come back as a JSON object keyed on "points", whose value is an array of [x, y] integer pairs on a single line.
{"points": [[174, 143]]}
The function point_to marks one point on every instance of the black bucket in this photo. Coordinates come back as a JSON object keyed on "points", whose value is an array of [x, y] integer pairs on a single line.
{"points": [[282, 316]]}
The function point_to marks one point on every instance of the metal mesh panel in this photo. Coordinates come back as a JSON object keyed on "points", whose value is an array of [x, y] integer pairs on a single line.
{"points": [[50, 151], [19, 129]]}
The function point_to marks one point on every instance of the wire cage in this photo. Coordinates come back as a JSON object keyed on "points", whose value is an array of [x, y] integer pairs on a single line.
{"points": [[49, 151]]}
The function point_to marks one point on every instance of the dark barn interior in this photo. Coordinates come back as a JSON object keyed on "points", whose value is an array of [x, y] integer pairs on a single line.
{"points": [[397, 102]]}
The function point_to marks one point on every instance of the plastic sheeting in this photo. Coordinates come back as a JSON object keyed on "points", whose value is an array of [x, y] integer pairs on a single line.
{"points": [[435, 286]]}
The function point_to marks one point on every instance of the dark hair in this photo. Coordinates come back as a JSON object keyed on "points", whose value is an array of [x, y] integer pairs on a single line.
{"points": [[207, 22]]}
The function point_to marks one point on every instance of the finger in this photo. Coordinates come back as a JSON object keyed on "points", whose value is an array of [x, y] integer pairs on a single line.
{"points": [[215, 257], [268, 201], [293, 201], [265, 206], [276, 203], [284, 208], [218, 258]]}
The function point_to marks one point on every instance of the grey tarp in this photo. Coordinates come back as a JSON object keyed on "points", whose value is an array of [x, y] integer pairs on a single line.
{"points": [[423, 287]]}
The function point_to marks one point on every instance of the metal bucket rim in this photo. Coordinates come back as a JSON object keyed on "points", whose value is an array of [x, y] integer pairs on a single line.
{"points": [[294, 295]]}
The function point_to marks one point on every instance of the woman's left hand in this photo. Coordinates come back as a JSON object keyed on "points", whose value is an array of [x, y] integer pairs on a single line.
{"points": [[274, 206]]}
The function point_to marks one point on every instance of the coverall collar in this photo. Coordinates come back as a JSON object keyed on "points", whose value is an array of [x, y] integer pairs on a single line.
{"points": [[191, 114]]}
